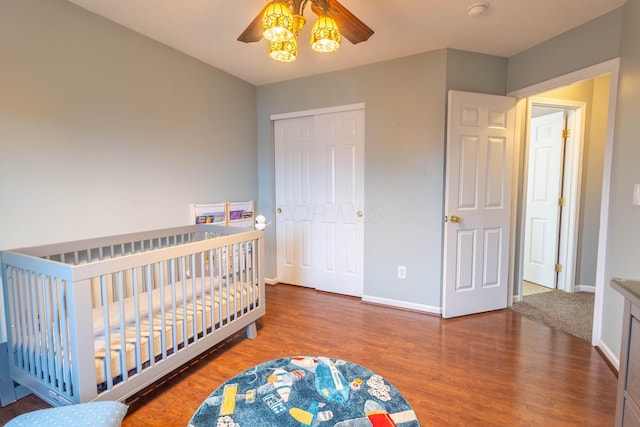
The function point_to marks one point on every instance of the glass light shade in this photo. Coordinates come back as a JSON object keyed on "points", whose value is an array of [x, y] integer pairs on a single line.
{"points": [[277, 22], [286, 51], [325, 36]]}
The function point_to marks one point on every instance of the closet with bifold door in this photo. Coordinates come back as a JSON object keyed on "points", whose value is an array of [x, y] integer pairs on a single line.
{"points": [[319, 186]]}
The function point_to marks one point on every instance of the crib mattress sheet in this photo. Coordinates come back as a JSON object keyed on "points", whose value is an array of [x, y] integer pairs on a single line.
{"points": [[206, 305]]}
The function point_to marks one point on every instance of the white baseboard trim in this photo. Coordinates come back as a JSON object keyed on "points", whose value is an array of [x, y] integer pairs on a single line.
{"points": [[586, 288], [402, 304], [613, 359], [269, 281]]}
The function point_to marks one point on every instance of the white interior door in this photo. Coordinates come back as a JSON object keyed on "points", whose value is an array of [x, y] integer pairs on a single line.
{"points": [[320, 201], [480, 137], [544, 176], [293, 155], [339, 243]]}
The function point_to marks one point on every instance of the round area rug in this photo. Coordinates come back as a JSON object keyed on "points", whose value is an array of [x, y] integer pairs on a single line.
{"points": [[305, 391]]}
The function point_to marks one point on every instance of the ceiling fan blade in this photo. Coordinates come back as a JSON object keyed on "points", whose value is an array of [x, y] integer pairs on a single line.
{"points": [[352, 28], [253, 33]]}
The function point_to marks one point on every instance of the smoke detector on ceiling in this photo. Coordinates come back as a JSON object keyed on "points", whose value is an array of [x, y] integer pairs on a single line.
{"points": [[477, 9]]}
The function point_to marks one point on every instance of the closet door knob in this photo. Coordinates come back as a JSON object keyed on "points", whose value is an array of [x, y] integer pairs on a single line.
{"points": [[279, 210], [360, 214]]}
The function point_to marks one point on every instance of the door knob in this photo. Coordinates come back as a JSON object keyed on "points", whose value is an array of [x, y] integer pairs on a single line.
{"points": [[279, 210], [360, 214], [454, 218]]}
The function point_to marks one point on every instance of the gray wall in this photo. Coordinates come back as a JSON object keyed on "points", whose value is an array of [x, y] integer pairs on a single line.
{"points": [[624, 219], [103, 131], [591, 43], [405, 110]]}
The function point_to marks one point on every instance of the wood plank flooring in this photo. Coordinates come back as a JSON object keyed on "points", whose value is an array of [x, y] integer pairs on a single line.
{"points": [[492, 369]]}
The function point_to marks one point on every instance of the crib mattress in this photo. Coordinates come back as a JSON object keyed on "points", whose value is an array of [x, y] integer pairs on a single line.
{"points": [[161, 326]]}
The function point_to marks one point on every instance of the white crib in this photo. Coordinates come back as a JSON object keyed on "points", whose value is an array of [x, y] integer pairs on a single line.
{"points": [[101, 319]]}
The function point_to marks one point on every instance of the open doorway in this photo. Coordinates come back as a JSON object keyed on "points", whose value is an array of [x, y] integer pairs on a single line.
{"points": [[595, 88], [562, 184]]}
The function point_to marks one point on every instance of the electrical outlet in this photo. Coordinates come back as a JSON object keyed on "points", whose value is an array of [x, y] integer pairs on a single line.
{"points": [[402, 272]]}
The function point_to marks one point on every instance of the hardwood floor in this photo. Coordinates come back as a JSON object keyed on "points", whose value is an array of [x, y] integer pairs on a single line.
{"points": [[491, 369]]}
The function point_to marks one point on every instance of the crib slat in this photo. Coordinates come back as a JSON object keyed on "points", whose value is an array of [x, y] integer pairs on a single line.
{"points": [[150, 311], [45, 326], [107, 333], [163, 314], [35, 324], [220, 257], [202, 312], [212, 290], [14, 289], [65, 351], [174, 326], [136, 317], [122, 330], [183, 284]]}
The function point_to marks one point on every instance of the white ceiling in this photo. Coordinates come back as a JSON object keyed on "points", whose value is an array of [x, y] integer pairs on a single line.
{"points": [[208, 29]]}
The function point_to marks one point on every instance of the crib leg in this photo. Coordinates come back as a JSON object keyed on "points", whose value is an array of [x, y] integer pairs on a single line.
{"points": [[9, 393], [252, 331]]}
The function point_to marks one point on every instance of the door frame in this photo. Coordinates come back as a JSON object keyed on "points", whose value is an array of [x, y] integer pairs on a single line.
{"points": [[571, 184], [610, 67]]}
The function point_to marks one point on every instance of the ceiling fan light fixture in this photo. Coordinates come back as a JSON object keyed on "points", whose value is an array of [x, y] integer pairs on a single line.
{"points": [[277, 22], [325, 36], [286, 51]]}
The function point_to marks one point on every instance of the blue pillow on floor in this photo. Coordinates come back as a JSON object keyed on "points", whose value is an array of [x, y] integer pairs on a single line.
{"points": [[92, 414]]}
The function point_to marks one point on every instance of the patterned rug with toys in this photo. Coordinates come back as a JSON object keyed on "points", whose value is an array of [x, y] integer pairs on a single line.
{"points": [[305, 391]]}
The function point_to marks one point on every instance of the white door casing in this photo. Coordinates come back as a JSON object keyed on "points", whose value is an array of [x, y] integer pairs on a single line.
{"points": [[611, 68], [480, 136], [544, 183], [319, 163]]}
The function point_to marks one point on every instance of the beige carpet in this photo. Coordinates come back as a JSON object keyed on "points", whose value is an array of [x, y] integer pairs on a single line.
{"points": [[569, 312], [529, 288]]}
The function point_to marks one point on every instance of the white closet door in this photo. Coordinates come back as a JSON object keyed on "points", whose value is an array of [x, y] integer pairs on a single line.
{"points": [[339, 225], [320, 201], [293, 156]]}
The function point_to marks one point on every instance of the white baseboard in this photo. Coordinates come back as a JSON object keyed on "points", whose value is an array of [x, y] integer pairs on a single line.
{"points": [[402, 304], [269, 281], [586, 288], [613, 359]]}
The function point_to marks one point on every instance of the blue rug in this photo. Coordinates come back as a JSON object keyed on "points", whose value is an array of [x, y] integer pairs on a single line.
{"points": [[305, 391]]}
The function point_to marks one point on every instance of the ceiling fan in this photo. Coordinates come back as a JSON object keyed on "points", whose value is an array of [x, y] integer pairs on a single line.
{"points": [[350, 27]]}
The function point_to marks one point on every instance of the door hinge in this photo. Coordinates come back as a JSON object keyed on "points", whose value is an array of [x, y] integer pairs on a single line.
{"points": [[562, 201], [566, 133], [558, 268]]}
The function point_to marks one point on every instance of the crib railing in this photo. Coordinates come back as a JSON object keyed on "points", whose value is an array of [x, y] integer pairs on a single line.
{"points": [[115, 289]]}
